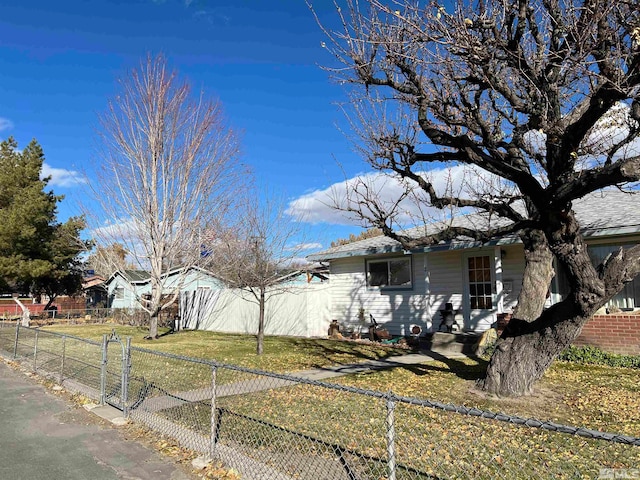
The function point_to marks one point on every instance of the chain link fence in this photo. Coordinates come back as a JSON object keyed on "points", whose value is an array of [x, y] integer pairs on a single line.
{"points": [[274, 426], [120, 316]]}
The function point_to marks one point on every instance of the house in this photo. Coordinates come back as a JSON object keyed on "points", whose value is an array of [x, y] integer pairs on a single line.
{"points": [[124, 289], [313, 273], [95, 291], [407, 291]]}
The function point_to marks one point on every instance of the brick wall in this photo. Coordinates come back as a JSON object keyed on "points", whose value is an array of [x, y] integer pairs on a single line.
{"points": [[617, 333]]}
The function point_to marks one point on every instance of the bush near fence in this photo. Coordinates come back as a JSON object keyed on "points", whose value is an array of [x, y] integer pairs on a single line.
{"points": [[278, 426]]}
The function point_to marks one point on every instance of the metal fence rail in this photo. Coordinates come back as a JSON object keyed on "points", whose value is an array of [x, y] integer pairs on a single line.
{"points": [[275, 426], [120, 316]]}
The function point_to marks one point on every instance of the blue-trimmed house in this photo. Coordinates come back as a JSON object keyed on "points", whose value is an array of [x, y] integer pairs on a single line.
{"points": [[126, 289]]}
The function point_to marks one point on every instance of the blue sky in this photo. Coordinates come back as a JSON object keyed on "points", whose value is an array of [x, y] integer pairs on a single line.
{"points": [[59, 62]]}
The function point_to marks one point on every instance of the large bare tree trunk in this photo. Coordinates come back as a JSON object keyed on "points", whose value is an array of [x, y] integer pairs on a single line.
{"points": [[153, 325], [509, 370], [534, 338]]}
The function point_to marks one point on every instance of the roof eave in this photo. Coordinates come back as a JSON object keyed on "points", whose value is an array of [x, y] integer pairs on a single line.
{"points": [[461, 245]]}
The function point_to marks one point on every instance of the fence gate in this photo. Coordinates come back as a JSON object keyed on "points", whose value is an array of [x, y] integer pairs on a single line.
{"points": [[114, 374]]}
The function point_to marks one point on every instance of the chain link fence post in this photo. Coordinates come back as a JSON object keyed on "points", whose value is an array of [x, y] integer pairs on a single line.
{"points": [[103, 371], [126, 368], [64, 350], [214, 419], [391, 436], [15, 344], [35, 352]]}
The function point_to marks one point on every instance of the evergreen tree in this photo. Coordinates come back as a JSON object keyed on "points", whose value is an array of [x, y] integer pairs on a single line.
{"points": [[37, 253]]}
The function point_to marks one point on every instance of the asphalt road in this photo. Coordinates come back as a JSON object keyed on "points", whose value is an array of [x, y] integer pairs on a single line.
{"points": [[44, 438]]}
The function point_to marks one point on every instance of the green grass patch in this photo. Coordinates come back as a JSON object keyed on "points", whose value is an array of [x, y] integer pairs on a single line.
{"points": [[281, 354]]}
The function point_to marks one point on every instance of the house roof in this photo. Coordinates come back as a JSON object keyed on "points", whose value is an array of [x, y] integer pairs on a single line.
{"points": [[136, 276], [606, 213], [316, 270], [142, 276], [92, 281]]}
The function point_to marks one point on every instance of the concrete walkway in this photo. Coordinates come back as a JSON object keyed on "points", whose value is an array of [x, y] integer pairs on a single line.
{"points": [[43, 438], [262, 383], [369, 365]]}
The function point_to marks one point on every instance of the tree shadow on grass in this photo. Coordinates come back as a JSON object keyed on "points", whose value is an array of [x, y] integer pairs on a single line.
{"points": [[333, 350], [455, 366]]}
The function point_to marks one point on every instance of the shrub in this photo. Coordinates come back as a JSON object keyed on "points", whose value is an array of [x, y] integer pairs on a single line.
{"points": [[595, 356]]}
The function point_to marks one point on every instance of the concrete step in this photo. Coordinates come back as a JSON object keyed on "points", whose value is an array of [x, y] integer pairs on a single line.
{"points": [[456, 342]]}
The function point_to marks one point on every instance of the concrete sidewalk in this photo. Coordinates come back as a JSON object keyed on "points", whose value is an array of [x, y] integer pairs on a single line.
{"points": [[263, 383], [43, 438]]}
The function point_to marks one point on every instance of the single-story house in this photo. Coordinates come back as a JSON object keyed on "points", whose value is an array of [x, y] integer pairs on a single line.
{"points": [[95, 291], [313, 273], [407, 290], [124, 289]]}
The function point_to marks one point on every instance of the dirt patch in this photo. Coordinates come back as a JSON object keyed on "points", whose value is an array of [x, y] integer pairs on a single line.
{"points": [[538, 402]]}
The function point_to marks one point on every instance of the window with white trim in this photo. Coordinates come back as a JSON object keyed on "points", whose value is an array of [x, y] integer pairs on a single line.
{"points": [[480, 284], [389, 272], [119, 293]]}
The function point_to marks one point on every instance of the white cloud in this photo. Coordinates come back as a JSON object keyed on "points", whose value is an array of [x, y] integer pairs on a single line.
{"points": [[5, 124], [319, 206], [121, 230], [304, 246], [61, 177]]}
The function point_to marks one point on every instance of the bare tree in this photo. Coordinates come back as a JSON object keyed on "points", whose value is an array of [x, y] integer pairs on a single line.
{"points": [[541, 99], [260, 254], [166, 179], [109, 259], [368, 233]]}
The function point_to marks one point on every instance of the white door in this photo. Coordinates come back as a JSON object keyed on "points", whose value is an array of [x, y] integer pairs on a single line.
{"points": [[480, 290]]}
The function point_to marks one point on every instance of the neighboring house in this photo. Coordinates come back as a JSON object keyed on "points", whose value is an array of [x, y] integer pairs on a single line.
{"points": [[95, 291], [404, 289], [315, 273], [125, 288]]}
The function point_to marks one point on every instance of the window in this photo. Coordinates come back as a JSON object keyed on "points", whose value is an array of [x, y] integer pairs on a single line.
{"points": [[480, 285], [119, 293], [391, 272], [629, 296]]}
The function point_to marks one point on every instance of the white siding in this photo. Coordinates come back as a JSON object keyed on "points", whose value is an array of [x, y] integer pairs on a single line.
{"points": [[397, 309], [512, 270], [446, 280], [438, 278]]}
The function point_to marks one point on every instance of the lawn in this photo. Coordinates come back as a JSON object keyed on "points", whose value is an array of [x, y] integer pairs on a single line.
{"points": [[432, 442], [598, 397], [282, 354]]}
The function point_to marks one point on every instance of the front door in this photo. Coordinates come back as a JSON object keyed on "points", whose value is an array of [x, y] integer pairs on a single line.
{"points": [[480, 299]]}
